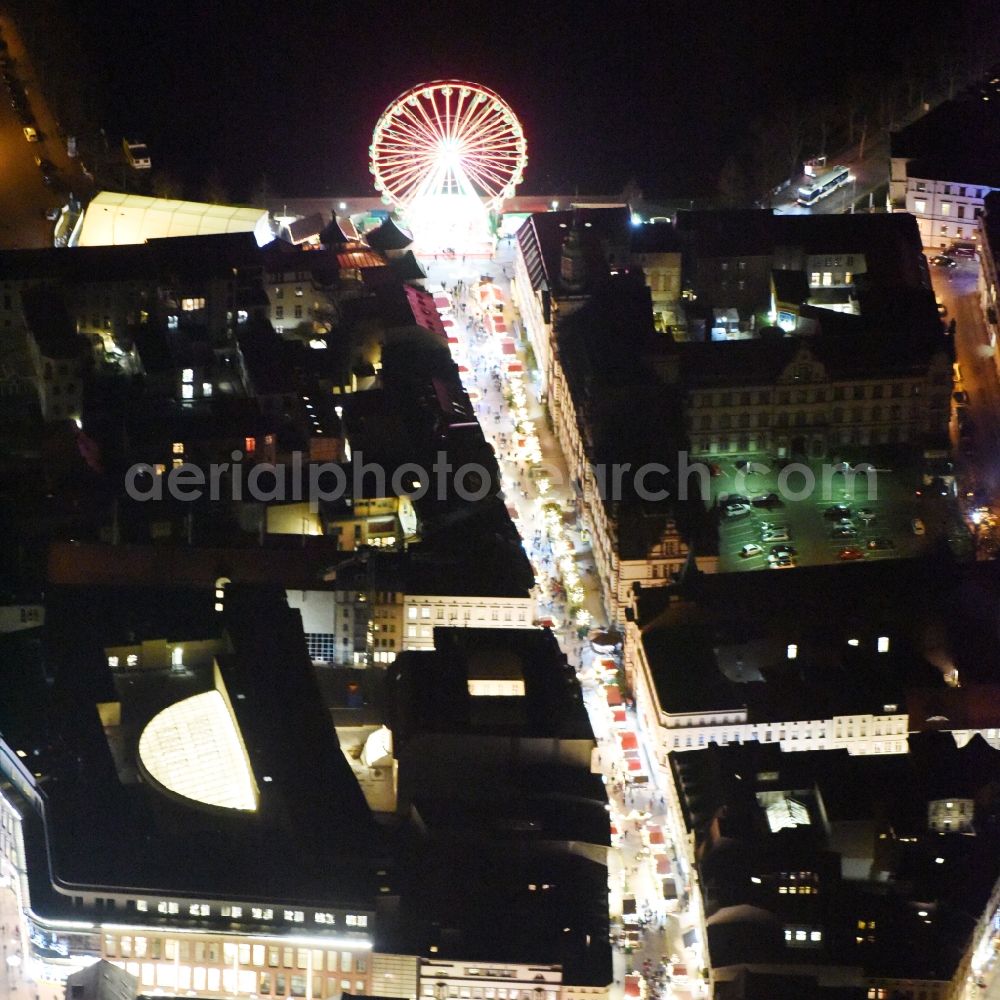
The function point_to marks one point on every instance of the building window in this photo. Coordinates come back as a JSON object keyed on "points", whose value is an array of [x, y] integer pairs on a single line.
{"points": [[192, 305], [920, 205], [279, 312], [946, 208], [298, 312]]}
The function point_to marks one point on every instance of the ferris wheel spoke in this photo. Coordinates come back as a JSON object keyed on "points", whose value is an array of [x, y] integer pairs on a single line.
{"points": [[495, 158], [434, 125], [412, 131], [413, 125], [485, 176], [485, 171], [463, 108], [482, 118], [404, 176]]}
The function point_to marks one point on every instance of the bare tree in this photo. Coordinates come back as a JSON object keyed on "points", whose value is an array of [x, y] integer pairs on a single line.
{"points": [[731, 184], [214, 189], [778, 144], [166, 185]]}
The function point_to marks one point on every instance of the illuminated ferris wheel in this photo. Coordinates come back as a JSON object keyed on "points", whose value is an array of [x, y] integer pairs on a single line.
{"points": [[448, 138]]}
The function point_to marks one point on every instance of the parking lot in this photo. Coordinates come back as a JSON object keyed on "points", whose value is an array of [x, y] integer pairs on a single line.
{"points": [[879, 515]]}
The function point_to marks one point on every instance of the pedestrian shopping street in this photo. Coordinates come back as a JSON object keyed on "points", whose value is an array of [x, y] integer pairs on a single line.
{"points": [[654, 933]]}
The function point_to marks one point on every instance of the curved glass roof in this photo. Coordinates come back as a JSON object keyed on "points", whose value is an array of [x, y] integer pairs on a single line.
{"points": [[194, 749]]}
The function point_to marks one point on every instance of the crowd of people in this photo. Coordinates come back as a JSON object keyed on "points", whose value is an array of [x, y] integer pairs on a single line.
{"points": [[549, 543]]}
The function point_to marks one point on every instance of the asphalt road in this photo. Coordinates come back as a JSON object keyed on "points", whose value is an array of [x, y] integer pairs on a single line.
{"points": [[870, 173], [24, 199], [957, 289]]}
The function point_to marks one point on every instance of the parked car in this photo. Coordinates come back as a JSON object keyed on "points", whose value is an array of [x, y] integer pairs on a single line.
{"points": [[917, 526], [783, 562], [737, 510], [941, 260], [850, 553], [751, 549], [962, 250], [30, 133], [769, 501], [714, 469], [837, 512], [732, 498], [783, 550], [876, 544], [844, 531], [776, 536], [937, 487], [136, 154]]}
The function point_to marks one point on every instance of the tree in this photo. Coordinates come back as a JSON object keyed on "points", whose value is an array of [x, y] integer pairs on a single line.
{"points": [[261, 193], [824, 115], [632, 193], [731, 184], [165, 185], [214, 189], [778, 144]]}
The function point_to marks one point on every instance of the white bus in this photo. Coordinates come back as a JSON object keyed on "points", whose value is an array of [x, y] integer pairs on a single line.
{"points": [[824, 184]]}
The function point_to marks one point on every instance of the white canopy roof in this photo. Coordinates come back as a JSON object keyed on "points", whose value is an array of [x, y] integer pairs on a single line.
{"points": [[113, 218]]}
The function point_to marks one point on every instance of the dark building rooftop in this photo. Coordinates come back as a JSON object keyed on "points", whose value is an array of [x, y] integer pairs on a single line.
{"points": [[51, 326], [388, 236], [721, 641], [603, 236], [433, 688], [310, 838], [854, 832], [957, 141]]}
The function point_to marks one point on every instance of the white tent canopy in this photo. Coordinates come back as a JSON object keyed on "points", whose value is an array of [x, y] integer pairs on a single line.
{"points": [[113, 218]]}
